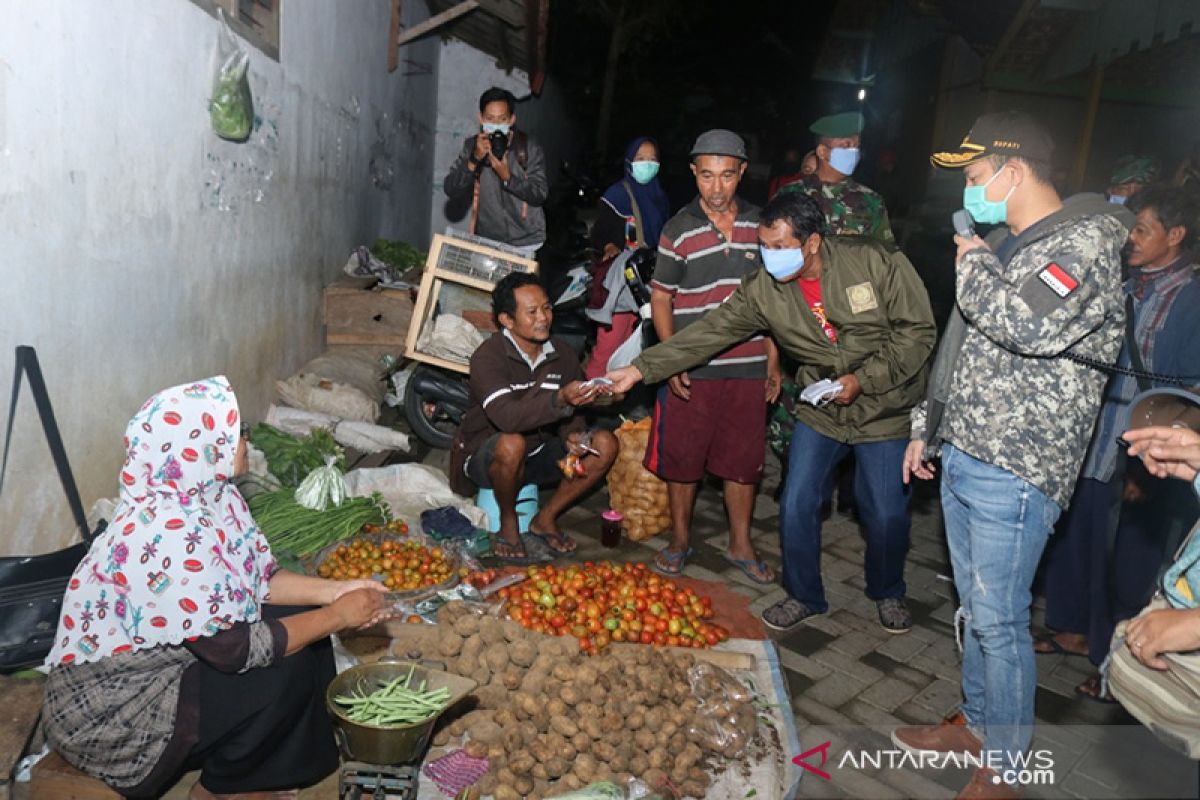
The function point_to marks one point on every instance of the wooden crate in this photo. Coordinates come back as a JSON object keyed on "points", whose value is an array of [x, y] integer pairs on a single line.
{"points": [[20, 707], [456, 262], [357, 312], [55, 779]]}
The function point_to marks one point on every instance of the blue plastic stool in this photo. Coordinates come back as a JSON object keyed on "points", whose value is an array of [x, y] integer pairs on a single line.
{"points": [[527, 507]]}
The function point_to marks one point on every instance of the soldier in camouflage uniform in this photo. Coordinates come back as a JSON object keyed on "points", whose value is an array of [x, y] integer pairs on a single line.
{"points": [[850, 208], [1130, 175], [1012, 414]]}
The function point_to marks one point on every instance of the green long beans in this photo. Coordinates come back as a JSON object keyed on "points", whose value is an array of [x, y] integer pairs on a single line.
{"points": [[292, 528], [394, 704]]}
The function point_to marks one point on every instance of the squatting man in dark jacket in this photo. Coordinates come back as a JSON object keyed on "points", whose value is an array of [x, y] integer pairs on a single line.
{"points": [[848, 309], [525, 390]]}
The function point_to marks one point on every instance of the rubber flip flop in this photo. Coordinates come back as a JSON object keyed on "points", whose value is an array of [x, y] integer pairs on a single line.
{"points": [[745, 564], [529, 552], [1048, 644], [1093, 689], [559, 543], [674, 560]]}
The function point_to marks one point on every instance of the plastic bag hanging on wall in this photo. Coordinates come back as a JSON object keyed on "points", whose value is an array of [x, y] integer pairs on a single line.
{"points": [[231, 107]]}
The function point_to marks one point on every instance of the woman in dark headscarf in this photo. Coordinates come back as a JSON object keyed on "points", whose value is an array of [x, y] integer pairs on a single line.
{"points": [[632, 214]]}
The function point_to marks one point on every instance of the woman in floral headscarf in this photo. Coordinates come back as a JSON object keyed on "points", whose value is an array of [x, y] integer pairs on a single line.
{"points": [[169, 654]]}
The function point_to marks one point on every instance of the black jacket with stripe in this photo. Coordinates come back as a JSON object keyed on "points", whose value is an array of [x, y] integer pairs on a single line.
{"points": [[507, 396]]}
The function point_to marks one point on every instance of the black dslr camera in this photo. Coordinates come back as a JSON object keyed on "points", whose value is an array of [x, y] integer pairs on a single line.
{"points": [[499, 142]]}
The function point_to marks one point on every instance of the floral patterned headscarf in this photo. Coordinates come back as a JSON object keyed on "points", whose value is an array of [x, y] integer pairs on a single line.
{"points": [[182, 557]]}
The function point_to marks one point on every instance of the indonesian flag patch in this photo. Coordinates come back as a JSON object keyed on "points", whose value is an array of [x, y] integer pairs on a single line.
{"points": [[1057, 278]]}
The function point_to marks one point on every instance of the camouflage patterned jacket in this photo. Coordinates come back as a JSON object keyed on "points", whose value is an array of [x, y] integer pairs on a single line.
{"points": [[1014, 400], [849, 207]]}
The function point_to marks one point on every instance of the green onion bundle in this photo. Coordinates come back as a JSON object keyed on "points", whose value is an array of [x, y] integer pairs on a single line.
{"points": [[394, 704]]}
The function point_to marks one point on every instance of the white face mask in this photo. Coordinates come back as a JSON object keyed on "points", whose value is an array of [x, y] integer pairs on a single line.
{"points": [[493, 127], [1119, 199]]}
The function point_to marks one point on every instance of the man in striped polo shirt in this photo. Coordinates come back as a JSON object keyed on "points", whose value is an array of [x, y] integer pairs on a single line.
{"points": [[712, 418]]}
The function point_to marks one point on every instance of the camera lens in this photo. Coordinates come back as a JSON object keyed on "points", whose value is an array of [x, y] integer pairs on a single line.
{"points": [[499, 143]]}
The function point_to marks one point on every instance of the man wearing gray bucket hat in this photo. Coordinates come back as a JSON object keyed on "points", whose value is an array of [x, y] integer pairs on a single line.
{"points": [[713, 418]]}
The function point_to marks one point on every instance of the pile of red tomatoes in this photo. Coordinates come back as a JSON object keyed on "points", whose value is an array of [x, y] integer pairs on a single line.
{"points": [[599, 603]]}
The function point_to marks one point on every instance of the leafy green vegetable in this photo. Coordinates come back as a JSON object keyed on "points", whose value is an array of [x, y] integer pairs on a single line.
{"points": [[292, 528], [291, 458], [232, 107], [401, 255]]}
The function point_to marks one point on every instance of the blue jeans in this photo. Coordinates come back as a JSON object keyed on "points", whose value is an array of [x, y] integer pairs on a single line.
{"points": [[882, 507], [997, 526]]}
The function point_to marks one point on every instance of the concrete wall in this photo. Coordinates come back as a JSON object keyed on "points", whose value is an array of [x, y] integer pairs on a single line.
{"points": [[140, 251], [463, 75]]}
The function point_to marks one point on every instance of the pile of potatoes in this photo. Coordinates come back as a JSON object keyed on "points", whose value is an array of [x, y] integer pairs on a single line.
{"points": [[550, 720], [634, 490]]}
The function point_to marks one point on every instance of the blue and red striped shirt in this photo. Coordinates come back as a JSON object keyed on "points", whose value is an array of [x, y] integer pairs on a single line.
{"points": [[701, 269]]}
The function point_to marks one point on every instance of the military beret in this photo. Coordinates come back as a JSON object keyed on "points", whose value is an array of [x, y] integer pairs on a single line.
{"points": [[1134, 169], [838, 126]]}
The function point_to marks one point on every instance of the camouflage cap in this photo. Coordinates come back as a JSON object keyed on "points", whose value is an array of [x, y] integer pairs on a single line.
{"points": [[1169, 407], [838, 126], [1134, 169], [1005, 133]]}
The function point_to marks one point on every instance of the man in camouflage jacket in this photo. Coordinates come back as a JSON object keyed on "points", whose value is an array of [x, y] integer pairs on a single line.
{"points": [[1013, 414], [850, 209]]}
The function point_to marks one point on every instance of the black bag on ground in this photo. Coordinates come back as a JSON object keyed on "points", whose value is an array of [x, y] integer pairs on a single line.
{"points": [[32, 587]]}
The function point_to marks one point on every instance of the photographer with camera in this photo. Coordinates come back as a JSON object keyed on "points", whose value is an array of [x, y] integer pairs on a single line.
{"points": [[503, 173]]}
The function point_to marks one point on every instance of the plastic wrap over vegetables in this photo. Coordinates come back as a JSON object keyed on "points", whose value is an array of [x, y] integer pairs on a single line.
{"points": [[231, 107]]}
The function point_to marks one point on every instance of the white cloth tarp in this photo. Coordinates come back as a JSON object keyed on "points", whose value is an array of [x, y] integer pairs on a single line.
{"points": [[345, 384], [365, 437], [409, 489], [451, 337]]}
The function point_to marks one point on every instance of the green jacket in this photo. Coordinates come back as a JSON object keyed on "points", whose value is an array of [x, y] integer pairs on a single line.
{"points": [[880, 310]]}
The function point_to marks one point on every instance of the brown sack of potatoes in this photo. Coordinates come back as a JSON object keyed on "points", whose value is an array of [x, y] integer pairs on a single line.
{"points": [[634, 490]]}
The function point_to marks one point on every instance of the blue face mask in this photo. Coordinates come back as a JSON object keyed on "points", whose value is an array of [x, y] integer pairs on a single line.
{"points": [[844, 159], [491, 127], [984, 211], [1119, 199], [782, 264], [643, 171]]}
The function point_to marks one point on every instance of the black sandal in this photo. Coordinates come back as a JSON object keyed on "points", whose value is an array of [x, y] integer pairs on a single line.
{"points": [[1093, 689], [560, 543], [522, 553]]}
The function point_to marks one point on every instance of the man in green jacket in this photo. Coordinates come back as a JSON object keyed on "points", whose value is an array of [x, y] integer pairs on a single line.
{"points": [[847, 309]]}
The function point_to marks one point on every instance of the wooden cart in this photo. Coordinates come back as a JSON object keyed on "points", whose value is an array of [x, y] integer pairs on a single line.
{"points": [[468, 266]]}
